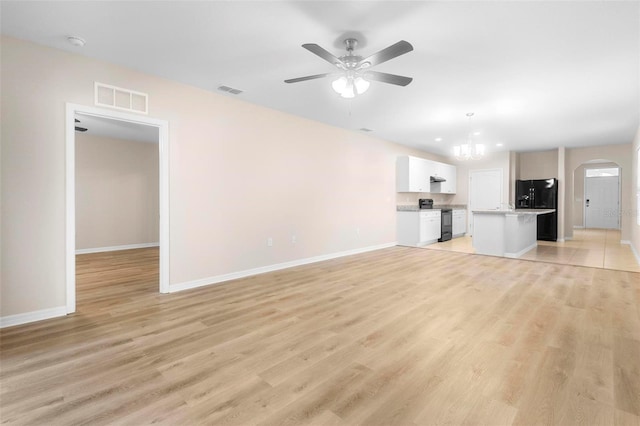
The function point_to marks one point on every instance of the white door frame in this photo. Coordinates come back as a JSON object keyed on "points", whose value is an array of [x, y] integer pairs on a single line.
{"points": [[163, 151]]}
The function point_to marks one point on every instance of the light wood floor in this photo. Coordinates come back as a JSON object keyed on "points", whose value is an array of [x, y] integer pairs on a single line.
{"points": [[597, 248], [398, 336]]}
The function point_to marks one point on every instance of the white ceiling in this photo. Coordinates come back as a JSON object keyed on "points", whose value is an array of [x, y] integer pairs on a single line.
{"points": [[537, 75]]}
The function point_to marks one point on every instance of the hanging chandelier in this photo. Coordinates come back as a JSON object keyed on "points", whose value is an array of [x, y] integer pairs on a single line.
{"points": [[469, 150]]}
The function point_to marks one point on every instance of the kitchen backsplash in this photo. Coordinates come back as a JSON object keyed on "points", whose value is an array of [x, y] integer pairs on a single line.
{"points": [[411, 198]]}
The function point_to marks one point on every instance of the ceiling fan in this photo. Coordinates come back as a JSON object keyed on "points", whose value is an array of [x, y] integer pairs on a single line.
{"points": [[78, 128], [355, 74]]}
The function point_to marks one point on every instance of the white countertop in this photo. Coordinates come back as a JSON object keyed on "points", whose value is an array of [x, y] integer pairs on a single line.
{"points": [[519, 212]]}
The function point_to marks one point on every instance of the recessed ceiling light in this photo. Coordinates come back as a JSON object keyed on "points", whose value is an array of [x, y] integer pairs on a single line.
{"points": [[499, 144], [438, 139], [76, 41], [476, 133]]}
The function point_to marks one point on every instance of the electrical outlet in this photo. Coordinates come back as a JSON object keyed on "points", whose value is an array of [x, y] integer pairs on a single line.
{"points": [[270, 242], [358, 232], [294, 239]]}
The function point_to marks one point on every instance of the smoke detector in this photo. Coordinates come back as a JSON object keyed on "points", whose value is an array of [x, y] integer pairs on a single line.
{"points": [[76, 41]]}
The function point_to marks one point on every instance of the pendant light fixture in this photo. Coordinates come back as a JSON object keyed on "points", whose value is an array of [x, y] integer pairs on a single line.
{"points": [[469, 150]]}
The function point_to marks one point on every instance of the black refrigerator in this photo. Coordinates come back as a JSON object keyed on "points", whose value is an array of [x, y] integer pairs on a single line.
{"points": [[540, 194]]}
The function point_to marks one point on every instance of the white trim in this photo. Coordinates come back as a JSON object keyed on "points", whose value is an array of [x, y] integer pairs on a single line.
{"points": [[270, 268], [521, 252], [578, 227], [562, 240], [633, 250], [116, 248], [27, 317], [163, 150]]}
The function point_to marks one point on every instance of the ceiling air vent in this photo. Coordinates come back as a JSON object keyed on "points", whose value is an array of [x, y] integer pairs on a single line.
{"points": [[364, 129], [230, 90]]}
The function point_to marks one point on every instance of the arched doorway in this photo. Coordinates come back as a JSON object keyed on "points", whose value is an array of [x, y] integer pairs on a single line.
{"points": [[596, 200]]}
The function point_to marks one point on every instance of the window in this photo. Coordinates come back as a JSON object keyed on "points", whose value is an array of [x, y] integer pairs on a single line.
{"points": [[614, 171]]}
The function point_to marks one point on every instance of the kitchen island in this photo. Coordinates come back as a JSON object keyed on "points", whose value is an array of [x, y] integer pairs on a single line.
{"points": [[506, 233]]}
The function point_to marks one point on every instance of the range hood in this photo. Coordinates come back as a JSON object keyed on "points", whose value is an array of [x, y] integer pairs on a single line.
{"points": [[437, 179]]}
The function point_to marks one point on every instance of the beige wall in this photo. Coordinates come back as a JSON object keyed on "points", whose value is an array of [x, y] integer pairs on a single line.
{"points": [[619, 154], [578, 191], [239, 173], [635, 210], [537, 165], [116, 192]]}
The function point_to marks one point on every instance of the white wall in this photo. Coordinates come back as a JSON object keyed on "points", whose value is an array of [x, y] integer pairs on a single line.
{"points": [[634, 211], [239, 173], [117, 188]]}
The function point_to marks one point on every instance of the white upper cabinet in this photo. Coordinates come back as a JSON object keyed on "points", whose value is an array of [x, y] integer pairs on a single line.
{"points": [[414, 174], [448, 172], [411, 175]]}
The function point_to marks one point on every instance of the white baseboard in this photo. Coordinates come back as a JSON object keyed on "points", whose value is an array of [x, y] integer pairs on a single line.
{"points": [[270, 268], [633, 250], [116, 248], [521, 252], [27, 317]]}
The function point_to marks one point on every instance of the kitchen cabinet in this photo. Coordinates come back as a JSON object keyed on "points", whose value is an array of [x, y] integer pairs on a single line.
{"points": [[418, 228], [413, 174], [459, 222], [446, 172]]}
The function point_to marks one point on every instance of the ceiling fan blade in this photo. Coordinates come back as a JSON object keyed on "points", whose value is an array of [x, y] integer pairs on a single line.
{"points": [[327, 56], [383, 77], [309, 77], [81, 129], [393, 51]]}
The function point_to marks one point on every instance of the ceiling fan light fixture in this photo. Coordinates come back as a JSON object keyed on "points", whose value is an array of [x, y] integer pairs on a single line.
{"points": [[361, 84], [349, 91], [340, 84], [348, 87]]}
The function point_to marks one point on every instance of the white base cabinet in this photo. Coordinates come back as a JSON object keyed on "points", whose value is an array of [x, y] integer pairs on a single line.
{"points": [[418, 228], [459, 222]]}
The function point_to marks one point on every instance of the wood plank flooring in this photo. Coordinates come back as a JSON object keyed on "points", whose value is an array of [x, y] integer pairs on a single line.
{"points": [[398, 336]]}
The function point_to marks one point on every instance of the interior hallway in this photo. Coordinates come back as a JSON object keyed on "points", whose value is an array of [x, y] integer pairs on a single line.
{"points": [[596, 248]]}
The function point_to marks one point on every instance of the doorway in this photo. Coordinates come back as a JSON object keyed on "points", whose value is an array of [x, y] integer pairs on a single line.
{"points": [[123, 120], [485, 192], [602, 198]]}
